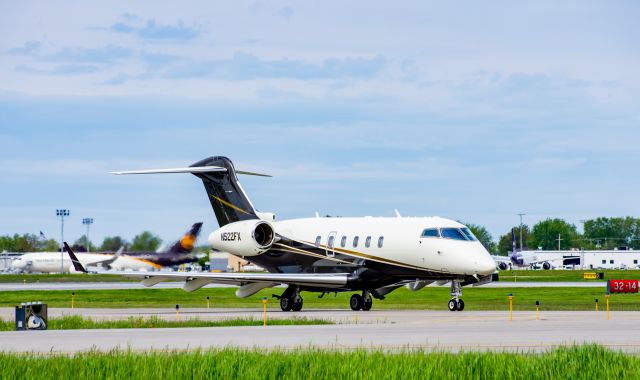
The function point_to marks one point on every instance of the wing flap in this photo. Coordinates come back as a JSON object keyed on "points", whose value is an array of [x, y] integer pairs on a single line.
{"points": [[195, 281]]}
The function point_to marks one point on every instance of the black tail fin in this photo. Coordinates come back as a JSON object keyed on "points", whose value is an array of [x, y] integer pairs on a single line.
{"points": [[188, 241], [227, 197], [74, 260]]}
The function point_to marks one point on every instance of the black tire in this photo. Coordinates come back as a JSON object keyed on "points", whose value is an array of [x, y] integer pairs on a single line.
{"points": [[453, 305], [460, 305], [356, 302], [366, 305], [297, 305], [286, 303]]}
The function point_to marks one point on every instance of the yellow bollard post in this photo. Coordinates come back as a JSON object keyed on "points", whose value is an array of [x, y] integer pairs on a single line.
{"points": [[606, 297], [596, 304], [72, 299], [510, 306], [537, 310], [207, 302], [264, 304], [177, 312]]}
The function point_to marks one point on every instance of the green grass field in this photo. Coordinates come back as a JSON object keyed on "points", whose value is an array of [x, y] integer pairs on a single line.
{"points": [[505, 276], [426, 299], [581, 362], [35, 278], [75, 322]]}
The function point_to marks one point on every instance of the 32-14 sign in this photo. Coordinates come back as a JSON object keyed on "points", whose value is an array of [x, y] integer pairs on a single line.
{"points": [[622, 286]]}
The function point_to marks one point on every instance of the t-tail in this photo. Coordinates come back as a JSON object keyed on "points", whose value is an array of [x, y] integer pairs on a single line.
{"points": [[228, 199], [188, 241]]}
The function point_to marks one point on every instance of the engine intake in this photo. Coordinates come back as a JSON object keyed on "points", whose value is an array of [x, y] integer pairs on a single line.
{"points": [[244, 238]]}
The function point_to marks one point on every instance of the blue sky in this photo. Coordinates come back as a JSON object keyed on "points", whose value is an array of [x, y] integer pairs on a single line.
{"points": [[469, 111]]}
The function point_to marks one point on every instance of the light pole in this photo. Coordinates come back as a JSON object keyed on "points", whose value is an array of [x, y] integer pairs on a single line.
{"points": [[87, 222], [521, 215], [61, 213]]}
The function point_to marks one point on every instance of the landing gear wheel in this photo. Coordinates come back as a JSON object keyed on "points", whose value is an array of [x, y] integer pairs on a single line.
{"points": [[356, 302], [297, 305], [367, 303], [286, 303], [453, 305], [460, 305]]}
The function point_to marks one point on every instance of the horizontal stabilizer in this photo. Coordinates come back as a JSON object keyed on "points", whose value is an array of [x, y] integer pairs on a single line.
{"points": [[195, 169], [192, 169]]}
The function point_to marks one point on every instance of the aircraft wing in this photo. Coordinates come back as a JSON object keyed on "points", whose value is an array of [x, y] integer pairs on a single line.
{"points": [[196, 280]]}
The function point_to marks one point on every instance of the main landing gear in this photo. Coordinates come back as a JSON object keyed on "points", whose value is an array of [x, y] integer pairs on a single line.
{"points": [[456, 303], [361, 302], [290, 300]]}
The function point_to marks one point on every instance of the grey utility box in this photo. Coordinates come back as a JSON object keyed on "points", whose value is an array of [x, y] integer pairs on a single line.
{"points": [[31, 316]]}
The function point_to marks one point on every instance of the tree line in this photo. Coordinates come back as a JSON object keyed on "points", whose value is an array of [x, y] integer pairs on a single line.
{"points": [[145, 241], [553, 234], [599, 233]]}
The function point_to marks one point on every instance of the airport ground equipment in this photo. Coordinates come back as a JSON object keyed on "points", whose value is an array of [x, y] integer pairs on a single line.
{"points": [[31, 316]]}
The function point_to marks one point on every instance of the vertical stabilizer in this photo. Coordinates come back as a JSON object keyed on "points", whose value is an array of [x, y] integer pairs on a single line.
{"points": [[188, 241], [228, 200]]}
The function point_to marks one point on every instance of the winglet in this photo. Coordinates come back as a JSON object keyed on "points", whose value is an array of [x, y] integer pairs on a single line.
{"points": [[76, 263]]}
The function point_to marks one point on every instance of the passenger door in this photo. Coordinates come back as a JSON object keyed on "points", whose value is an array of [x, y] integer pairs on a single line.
{"points": [[331, 242]]}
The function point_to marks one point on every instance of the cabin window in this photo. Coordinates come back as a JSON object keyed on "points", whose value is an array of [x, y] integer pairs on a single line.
{"points": [[635, 261], [343, 241], [367, 243], [355, 241], [380, 241], [331, 240], [468, 234], [318, 241], [604, 261], [453, 233], [610, 261], [431, 232]]}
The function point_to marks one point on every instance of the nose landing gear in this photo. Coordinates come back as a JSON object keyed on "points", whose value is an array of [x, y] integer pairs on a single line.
{"points": [[456, 303]]}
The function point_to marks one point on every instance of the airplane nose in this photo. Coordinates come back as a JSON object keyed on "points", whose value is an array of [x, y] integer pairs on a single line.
{"points": [[485, 264]]}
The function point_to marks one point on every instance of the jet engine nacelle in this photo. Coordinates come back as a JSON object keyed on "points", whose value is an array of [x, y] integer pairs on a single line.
{"points": [[546, 265], [245, 238], [503, 266]]}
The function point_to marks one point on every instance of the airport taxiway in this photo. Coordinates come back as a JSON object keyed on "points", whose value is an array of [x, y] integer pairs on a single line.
{"points": [[384, 329], [178, 285]]}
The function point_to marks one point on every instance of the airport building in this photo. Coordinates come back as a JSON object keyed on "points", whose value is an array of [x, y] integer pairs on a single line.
{"points": [[581, 259]]}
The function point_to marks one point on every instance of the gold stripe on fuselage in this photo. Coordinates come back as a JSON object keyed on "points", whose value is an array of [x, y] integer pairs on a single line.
{"points": [[370, 257], [307, 253]]}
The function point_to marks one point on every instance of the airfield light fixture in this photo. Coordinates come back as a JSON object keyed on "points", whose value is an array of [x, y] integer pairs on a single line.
{"points": [[87, 222], [61, 213]]}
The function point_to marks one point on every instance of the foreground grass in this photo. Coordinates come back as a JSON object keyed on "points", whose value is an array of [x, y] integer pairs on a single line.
{"points": [[581, 362], [75, 322], [426, 299]]}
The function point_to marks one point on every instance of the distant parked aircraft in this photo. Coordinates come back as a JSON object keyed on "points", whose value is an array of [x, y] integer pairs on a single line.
{"points": [[50, 262]]}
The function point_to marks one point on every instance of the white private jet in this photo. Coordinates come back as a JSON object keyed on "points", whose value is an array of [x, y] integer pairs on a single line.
{"points": [[373, 256]]}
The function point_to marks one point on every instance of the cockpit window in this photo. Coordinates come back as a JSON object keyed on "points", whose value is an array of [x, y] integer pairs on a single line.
{"points": [[453, 233], [467, 232], [431, 232]]}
